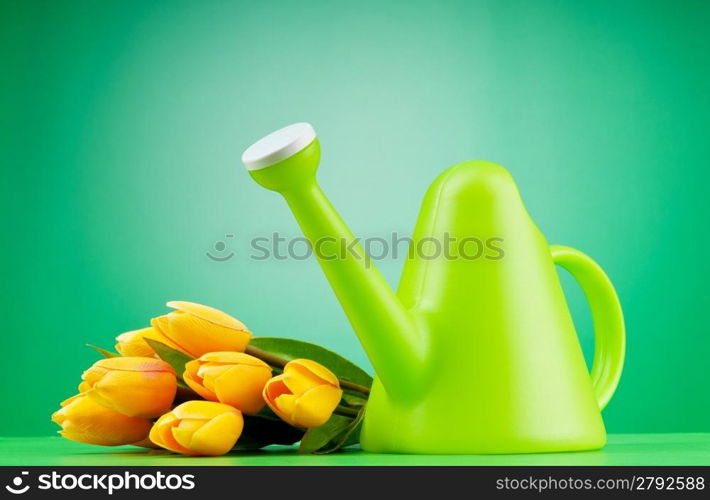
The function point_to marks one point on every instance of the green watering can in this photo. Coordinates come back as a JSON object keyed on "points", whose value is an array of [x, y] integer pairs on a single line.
{"points": [[476, 352]]}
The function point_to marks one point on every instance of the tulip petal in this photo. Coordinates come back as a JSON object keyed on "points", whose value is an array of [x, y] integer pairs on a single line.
{"points": [[208, 314], [191, 424], [162, 434], [132, 364], [315, 407], [208, 372], [241, 386], [201, 409], [197, 336], [71, 399], [162, 326], [232, 358], [195, 382], [315, 369], [302, 375], [199, 388], [219, 435], [286, 403], [300, 381], [144, 394], [93, 375], [88, 422], [183, 431], [58, 417], [274, 388], [133, 343]]}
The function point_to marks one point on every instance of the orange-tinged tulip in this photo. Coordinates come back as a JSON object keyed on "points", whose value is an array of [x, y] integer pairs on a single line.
{"points": [[137, 387], [83, 419], [305, 395], [199, 428], [233, 378], [196, 329], [133, 343]]}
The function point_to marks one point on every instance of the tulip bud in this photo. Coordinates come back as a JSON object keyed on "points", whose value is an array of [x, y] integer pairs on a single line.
{"points": [[136, 387], [196, 329], [199, 428], [233, 378], [84, 420], [305, 395], [133, 343]]}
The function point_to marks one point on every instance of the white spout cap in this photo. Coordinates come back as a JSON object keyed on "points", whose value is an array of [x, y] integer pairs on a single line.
{"points": [[279, 145]]}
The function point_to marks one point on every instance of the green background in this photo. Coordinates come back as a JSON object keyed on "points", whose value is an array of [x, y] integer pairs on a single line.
{"points": [[122, 123]]}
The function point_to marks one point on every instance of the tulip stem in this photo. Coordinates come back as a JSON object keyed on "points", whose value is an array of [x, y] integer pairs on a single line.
{"points": [[345, 411], [280, 362], [345, 384], [271, 359]]}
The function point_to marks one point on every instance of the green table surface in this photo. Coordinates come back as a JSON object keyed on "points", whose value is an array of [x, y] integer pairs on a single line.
{"points": [[622, 449]]}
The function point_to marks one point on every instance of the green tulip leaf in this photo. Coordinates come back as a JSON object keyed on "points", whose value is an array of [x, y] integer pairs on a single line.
{"points": [[349, 437], [293, 349], [105, 353], [173, 357], [317, 437], [264, 431], [339, 431], [353, 398]]}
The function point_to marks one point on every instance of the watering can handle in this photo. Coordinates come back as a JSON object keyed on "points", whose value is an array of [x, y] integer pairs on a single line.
{"points": [[609, 331]]}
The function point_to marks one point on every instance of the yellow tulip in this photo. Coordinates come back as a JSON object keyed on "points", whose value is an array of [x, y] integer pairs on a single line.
{"points": [[305, 395], [133, 343], [233, 378], [196, 329], [199, 428], [137, 387], [84, 420]]}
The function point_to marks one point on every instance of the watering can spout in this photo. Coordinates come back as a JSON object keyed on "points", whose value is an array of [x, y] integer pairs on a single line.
{"points": [[286, 161]]}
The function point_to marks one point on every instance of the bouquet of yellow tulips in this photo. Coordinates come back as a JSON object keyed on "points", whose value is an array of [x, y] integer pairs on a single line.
{"points": [[197, 382]]}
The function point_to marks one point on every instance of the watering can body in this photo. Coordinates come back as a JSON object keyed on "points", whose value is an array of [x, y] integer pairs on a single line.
{"points": [[505, 371], [477, 351]]}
